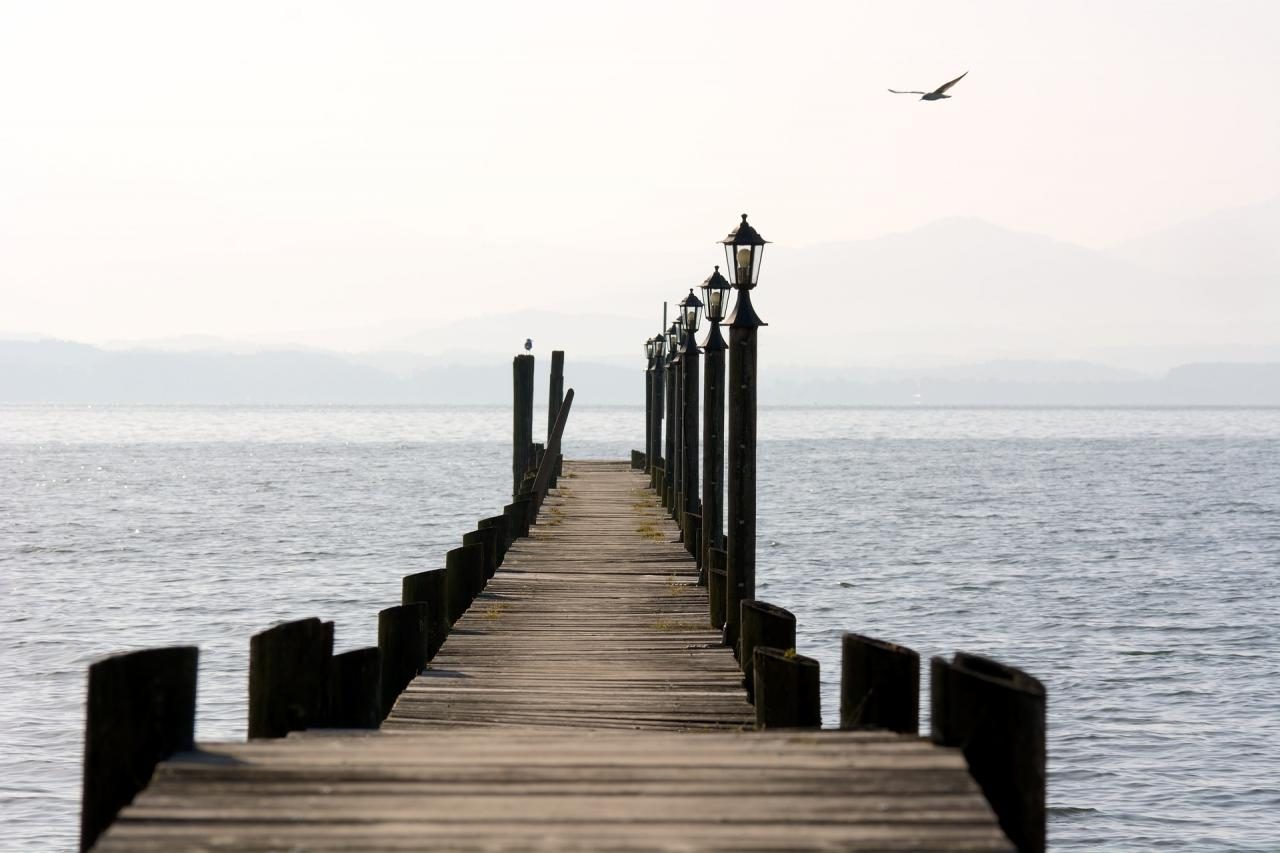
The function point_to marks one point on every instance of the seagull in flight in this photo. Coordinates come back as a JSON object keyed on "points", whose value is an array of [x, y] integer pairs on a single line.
{"points": [[937, 94]]}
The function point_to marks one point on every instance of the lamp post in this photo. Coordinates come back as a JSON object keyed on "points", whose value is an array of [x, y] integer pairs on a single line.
{"points": [[669, 371], [676, 343], [715, 293], [655, 438], [691, 312], [743, 249], [648, 405]]}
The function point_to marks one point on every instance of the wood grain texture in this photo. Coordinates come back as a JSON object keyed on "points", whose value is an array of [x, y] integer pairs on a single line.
{"points": [[583, 702]]}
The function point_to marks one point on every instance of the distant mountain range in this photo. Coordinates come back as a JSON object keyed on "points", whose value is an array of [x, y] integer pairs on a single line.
{"points": [[60, 372]]}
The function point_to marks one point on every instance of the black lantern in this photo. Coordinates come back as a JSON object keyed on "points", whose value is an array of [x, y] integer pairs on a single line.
{"points": [[659, 345], [691, 312], [648, 348], [743, 249], [673, 338], [715, 290]]}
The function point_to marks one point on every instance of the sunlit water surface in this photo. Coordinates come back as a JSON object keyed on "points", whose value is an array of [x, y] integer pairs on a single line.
{"points": [[1129, 558]]}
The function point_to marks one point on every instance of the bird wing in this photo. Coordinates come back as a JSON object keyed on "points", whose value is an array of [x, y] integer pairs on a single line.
{"points": [[897, 92], [945, 86]]}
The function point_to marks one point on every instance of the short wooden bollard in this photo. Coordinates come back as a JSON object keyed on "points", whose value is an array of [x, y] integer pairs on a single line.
{"points": [[879, 685], [787, 693], [526, 513], [715, 586], [510, 512], [469, 560], [141, 709], [501, 542], [693, 543], [404, 641], [522, 418], [355, 689], [457, 586], [487, 539], [432, 588], [637, 460], [762, 624], [995, 714], [289, 677]]}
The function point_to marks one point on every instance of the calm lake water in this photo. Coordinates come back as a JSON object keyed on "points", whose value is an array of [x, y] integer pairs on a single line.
{"points": [[1128, 558]]}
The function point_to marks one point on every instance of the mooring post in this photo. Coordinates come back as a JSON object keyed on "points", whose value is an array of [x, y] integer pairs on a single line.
{"points": [[487, 539], [787, 694], [430, 588], [498, 523], [522, 431], [716, 586], [743, 248], [289, 677], [464, 568], [879, 685], [554, 399], [995, 714], [763, 624], [140, 709], [355, 689], [404, 643]]}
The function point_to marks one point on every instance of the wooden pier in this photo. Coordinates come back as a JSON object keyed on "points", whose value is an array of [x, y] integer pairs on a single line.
{"points": [[582, 702]]}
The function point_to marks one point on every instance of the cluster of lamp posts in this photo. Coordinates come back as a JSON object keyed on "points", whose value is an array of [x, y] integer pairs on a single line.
{"points": [[721, 517]]}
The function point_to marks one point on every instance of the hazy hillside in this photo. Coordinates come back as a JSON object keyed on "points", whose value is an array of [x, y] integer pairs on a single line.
{"points": [[60, 372]]}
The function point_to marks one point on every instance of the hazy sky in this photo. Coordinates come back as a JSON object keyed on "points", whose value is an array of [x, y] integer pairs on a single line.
{"points": [[266, 168]]}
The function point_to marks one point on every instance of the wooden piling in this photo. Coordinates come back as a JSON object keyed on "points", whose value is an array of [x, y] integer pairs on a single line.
{"points": [[501, 541], [669, 433], [879, 685], [715, 586], [762, 624], [355, 690], [432, 588], [691, 389], [141, 708], [487, 539], [693, 543], [740, 484], [289, 677], [522, 428], [713, 443], [996, 715], [465, 570], [787, 694], [554, 398], [404, 643]]}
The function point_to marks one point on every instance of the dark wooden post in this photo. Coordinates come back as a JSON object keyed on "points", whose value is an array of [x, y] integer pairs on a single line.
{"points": [[715, 587], [995, 714], [141, 709], [404, 642], [762, 624], [670, 456], [289, 677], [431, 588], [713, 445], [553, 405], [787, 694], [465, 569], [526, 512], [522, 431], [487, 539], [355, 689], [879, 685], [691, 385], [500, 541]]}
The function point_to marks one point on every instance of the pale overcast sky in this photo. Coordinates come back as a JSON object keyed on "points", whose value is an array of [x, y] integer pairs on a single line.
{"points": [[262, 168]]}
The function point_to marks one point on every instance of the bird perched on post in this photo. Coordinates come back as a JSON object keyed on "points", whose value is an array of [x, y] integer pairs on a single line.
{"points": [[937, 94], [528, 344]]}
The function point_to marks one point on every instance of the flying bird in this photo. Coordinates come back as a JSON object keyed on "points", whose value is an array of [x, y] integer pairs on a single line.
{"points": [[937, 94]]}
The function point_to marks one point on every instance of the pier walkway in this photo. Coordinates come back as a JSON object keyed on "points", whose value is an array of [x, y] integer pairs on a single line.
{"points": [[582, 702]]}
